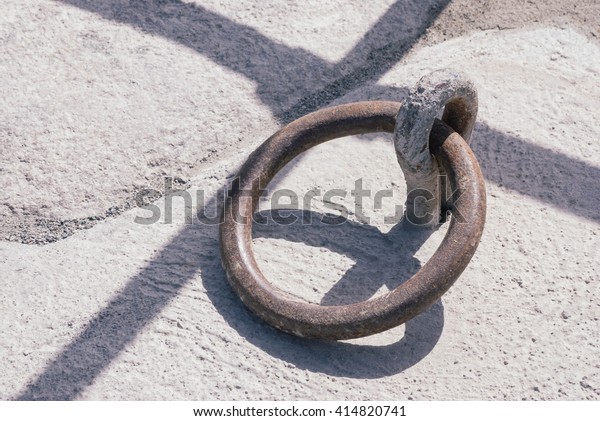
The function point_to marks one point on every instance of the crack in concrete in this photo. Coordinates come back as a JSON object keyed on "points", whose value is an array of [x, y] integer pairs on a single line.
{"points": [[31, 229]]}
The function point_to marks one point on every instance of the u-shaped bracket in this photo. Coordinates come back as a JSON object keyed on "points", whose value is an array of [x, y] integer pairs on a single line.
{"points": [[456, 95]]}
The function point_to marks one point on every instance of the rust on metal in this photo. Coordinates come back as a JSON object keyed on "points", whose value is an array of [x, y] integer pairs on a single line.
{"points": [[415, 295], [443, 92]]}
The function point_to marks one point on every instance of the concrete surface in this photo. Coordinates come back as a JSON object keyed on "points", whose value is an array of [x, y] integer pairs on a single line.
{"points": [[101, 100]]}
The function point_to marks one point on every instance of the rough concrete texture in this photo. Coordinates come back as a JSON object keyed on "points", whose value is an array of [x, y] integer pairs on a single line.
{"points": [[121, 94], [101, 99]]}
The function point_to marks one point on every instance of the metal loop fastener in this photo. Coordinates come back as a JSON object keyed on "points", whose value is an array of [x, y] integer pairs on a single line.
{"points": [[455, 95], [383, 312]]}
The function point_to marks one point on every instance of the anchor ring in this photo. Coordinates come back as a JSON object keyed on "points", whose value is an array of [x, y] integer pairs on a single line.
{"points": [[391, 309]]}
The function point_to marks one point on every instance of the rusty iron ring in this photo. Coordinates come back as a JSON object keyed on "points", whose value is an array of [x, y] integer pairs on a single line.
{"points": [[390, 309]]}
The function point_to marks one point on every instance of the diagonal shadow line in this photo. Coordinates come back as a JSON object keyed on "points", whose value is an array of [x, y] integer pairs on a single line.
{"points": [[515, 163], [125, 316], [110, 331], [152, 289], [147, 294], [365, 63], [281, 72], [220, 39], [551, 177]]}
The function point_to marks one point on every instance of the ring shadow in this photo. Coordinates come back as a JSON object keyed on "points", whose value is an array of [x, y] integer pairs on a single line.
{"points": [[362, 243]]}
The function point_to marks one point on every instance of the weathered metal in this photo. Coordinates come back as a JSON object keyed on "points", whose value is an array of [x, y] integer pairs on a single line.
{"points": [[443, 92], [383, 312]]}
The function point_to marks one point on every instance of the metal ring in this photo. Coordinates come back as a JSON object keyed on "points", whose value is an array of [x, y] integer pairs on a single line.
{"points": [[390, 309]]}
